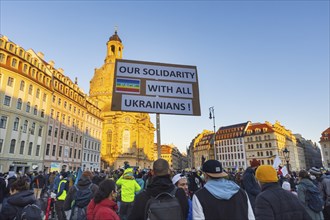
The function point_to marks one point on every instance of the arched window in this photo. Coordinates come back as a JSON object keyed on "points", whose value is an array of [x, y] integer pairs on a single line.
{"points": [[21, 149], [19, 104], [22, 86], [30, 89], [28, 107], [12, 146], [30, 148], [16, 123], [38, 93], [35, 110], [25, 126]]}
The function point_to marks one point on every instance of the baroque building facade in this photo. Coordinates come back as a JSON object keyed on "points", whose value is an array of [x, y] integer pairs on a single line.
{"points": [[126, 136], [230, 146], [325, 147], [43, 114]]}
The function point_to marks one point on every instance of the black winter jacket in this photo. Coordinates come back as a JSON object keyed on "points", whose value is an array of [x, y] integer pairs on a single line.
{"points": [[83, 183], [16, 203], [250, 185], [159, 184], [276, 203]]}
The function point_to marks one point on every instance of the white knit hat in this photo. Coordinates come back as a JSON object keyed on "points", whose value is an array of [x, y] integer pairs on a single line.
{"points": [[286, 185]]}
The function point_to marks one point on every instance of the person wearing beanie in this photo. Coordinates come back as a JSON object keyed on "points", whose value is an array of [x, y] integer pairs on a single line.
{"points": [[249, 182], [220, 198], [274, 202]]}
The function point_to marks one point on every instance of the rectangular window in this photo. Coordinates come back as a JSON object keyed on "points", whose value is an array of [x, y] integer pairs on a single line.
{"points": [[10, 81], [70, 154], [54, 150], [13, 63], [24, 68], [38, 150], [44, 98], [60, 151], [55, 133], [75, 154], [40, 131], [38, 93], [47, 149], [79, 154], [7, 100], [50, 131], [1, 145]]}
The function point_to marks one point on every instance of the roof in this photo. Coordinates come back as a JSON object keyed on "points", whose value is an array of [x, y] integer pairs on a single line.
{"points": [[325, 135], [115, 37]]}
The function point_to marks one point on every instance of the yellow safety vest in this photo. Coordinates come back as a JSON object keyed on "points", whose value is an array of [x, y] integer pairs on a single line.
{"points": [[63, 195]]}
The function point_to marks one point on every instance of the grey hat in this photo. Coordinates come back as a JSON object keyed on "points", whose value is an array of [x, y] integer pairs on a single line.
{"points": [[315, 171]]}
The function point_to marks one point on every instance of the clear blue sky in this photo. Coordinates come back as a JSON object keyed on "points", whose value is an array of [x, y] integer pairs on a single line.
{"points": [[256, 60]]}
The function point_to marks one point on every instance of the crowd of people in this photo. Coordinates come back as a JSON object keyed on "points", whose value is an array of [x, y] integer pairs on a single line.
{"points": [[260, 192]]}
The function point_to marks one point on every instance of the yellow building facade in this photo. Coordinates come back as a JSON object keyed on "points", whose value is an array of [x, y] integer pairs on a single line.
{"points": [[126, 136], [46, 121]]}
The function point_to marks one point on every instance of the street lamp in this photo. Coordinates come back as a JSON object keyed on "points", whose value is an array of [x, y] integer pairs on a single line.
{"points": [[211, 110], [286, 154]]}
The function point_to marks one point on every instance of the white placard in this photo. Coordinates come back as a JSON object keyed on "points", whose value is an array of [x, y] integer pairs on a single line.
{"points": [[161, 88], [138, 70], [156, 105]]}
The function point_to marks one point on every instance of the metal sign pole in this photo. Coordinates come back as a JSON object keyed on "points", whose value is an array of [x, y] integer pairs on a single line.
{"points": [[158, 135]]}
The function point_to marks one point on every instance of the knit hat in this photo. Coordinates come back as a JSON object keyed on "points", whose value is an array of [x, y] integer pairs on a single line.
{"points": [[266, 174], [286, 185], [315, 171], [254, 163]]}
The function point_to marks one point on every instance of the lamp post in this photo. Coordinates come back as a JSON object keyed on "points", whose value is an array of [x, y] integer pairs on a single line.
{"points": [[211, 111], [286, 154]]}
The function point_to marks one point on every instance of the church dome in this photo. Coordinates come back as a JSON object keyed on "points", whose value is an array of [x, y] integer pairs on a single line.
{"points": [[115, 37]]}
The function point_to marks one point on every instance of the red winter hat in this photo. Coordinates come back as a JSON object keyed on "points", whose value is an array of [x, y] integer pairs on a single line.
{"points": [[254, 163]]}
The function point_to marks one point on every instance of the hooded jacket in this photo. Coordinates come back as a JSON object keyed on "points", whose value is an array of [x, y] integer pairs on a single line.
{"points": [[128, 186], [16, 203], [224, 194], [158, 185], [83, 183], [105, 210]]}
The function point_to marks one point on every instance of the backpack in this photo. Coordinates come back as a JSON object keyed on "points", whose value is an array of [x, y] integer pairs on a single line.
{"points": [[313, 198], [81, 200], [29, 212], [164, 206]]}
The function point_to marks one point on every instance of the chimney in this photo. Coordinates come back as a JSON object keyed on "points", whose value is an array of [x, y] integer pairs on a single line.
{"points": [[41, 55]]}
